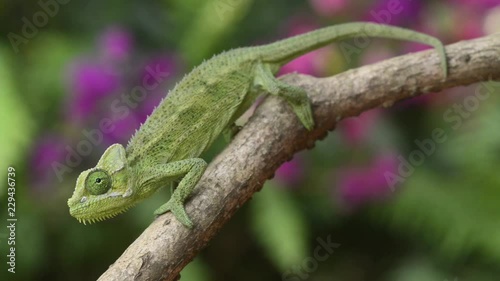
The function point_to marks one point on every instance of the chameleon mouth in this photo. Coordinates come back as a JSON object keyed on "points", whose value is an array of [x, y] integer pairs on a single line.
{"points": [[91, 220]]}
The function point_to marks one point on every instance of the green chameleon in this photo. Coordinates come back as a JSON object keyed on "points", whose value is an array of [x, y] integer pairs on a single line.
{"points": [[201, 106]]}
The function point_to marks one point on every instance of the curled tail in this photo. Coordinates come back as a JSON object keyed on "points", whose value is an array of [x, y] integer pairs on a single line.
{"points": [[286, 50]]}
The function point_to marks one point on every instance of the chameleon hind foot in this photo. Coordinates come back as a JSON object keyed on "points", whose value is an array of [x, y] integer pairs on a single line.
{"points": [[177, 208], [301, 106], [295, 96]]}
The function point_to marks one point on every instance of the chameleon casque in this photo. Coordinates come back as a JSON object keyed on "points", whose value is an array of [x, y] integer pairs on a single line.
{"points": [[204, 104]]}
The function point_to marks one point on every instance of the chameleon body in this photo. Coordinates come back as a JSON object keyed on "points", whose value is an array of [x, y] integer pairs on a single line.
{"points": [[204, 104]]}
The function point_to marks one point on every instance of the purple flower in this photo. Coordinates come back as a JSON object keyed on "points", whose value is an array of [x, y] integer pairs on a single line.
{"points": [[306, 64], [152, 101], [158, 69], [153, 79], [89, 84], [102, 88], [157, 73], [122, 129], [310, 63], [48, 150], [394, 12], [291, 172], [116, 44], [356, 130], [357, 186]]}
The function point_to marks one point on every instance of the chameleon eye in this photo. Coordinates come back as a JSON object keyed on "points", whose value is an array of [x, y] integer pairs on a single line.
{"points": [[98, 182]]}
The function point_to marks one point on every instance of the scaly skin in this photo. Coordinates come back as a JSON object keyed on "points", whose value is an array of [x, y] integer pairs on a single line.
{"points": [[204, 104]]}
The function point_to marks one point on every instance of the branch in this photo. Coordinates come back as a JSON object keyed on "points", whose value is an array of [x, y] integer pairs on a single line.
{"points": [[274, 134]]}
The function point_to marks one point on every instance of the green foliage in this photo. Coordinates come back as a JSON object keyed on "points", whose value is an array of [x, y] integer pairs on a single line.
{"points": [[196, 270], [442, 224], [452, 202], [46, 67], [214, 21], [418, 270], [279, 226], [16, 122]]}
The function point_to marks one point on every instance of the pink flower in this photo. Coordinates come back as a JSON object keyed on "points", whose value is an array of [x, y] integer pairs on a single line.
{"points": [[357, 186], [306, 64], [469, 25], [90, 83], [356, 130], [394, 12], [290, 172], [161, 67], [468, 17], [116, 44], [310, 63], [47, 151], [122, 129]]}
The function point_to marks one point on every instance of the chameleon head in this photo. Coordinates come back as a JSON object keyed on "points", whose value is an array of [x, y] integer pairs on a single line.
{"points": [[102, 192]]}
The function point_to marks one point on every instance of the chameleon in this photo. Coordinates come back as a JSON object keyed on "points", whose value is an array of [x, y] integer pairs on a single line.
{"points": [[204, 104]]}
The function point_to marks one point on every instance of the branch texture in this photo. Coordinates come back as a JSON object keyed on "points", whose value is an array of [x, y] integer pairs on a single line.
{"points": [[274, 134]]}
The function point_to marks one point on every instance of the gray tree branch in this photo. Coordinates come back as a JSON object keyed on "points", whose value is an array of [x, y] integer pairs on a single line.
{"points": [[274, 134]]}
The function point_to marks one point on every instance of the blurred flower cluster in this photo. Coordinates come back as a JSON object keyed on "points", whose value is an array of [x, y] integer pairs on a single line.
{"points": [[358, 184], [92, 75], [111, 91]]}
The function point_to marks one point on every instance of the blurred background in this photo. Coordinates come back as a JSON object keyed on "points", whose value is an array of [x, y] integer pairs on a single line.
{"points": [[405, 193]]}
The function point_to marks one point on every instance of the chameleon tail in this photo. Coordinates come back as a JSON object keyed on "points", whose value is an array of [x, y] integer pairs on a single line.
{"points": [[286, 50]]}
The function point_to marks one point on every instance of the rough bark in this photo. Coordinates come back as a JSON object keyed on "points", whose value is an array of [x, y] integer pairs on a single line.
{"points": [[274, 134]]}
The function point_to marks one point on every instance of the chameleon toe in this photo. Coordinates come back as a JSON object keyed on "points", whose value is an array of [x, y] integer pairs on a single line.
{"points": [[177, 209]]}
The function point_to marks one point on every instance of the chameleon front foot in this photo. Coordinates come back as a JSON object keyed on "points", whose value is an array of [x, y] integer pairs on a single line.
{"points": [[177, 208]]}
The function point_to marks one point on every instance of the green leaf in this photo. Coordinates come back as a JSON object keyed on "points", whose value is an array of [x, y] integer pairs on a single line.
{"points": [[279, 226], [418, 270], [452, 200], [196, 270], [15, 121], [216, 19]]}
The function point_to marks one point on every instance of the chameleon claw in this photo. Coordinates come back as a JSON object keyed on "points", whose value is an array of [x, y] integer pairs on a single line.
{"points": [[177, 208]]}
